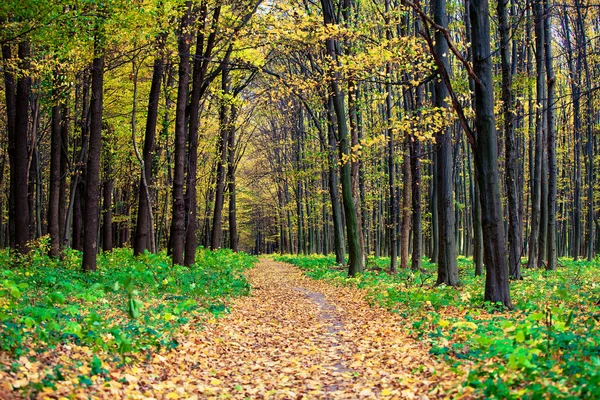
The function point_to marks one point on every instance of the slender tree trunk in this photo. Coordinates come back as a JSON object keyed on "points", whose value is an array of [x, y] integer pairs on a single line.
{"points": [[336, 210], [11, 115], [536, 196], [55, 174], [177, 237], [510, 142], [447, 268], [497, 287], [144, 232], [92, 196], [406, 203], [231, 188], [107, 206], [221, 163], [20, 175], [552, 168], [355, 264]]}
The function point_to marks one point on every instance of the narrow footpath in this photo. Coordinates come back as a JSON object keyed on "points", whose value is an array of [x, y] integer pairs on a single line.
{"points": [[293, 338]]}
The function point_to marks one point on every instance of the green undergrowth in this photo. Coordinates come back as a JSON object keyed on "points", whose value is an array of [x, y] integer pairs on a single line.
{"points": [[128, 306], [547, 347]]}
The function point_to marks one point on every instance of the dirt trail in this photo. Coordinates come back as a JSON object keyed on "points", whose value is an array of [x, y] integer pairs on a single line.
{"points": [[292, 338]]}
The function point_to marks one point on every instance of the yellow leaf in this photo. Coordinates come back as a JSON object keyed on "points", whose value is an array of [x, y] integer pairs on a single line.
{"points": [[172, 395], [386, 392], [215, 382]]}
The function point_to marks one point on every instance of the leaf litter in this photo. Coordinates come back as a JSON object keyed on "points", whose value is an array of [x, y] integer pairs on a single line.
{"points": [[292, 338]]}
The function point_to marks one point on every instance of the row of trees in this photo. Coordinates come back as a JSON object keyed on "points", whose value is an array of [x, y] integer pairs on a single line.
{"points": [[492, 179], [340, 126], [74, 84]]}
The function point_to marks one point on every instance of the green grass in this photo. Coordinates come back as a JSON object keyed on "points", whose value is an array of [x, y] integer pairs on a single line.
{"points": [[129, 305], [548, 347]]}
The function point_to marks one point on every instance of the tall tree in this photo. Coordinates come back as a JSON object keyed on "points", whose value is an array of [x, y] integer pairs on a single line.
{"points": [[92, 194], [333, 50], [510, 142], [497, 287], [144, 232], [177, 237], [20, 172], [55, 172], [447, 268]]}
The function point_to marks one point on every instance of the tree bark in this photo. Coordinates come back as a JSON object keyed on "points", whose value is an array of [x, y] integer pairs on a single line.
{"points": [[336, 210], [21, 167], [55, 173], [231, 188], [92, 195], [486, 160], [11, 116], [550, 118], [355, 257], [144, 232], [511, 150], [177, 237], [224, 128], [447, 268], [536, 196]]}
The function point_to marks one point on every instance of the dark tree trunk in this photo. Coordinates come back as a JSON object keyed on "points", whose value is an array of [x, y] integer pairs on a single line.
{"points": [[536, 196], [62, 193], [177, 237], [92, 195], [391, 170], [144, 231], [224, 128], [552, 169], [407, 191], [231, 167], [54, 204], [107, 209], [353, 108], [510, 142], [78, 206], [447, 269], [415, 165], [199, 86], [20, 175], [575, 78], [355, 264], [497, 287], [11, 115], [336, 210]]}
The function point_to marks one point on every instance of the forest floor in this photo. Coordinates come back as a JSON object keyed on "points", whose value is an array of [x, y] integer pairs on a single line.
{"points": [[293, 337]]}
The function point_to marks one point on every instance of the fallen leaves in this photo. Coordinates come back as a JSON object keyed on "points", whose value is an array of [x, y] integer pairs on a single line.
{"points": [[294, 337]]}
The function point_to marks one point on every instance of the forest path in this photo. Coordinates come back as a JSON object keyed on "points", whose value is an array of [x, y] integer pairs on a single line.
{"points": [[295, 337]]}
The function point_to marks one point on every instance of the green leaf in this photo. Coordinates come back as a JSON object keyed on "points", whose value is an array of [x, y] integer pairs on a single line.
{"points": [[520, 337]]}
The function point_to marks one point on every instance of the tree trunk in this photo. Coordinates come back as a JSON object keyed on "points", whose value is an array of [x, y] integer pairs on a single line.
{"points": [[355, 257], [107, 225], [536, 196], [177, 237], [92, 195], [20, 175], [231, 168], [224, 123], [11, 115], [144, 232], [550, 118], [55, 176], [406, 203], [447, 268], [510, 143], [336, 210], [486, 160]]}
